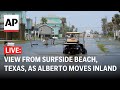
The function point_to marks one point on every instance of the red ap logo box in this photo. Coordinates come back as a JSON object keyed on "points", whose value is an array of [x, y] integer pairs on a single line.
{"points": [[12, 50]]}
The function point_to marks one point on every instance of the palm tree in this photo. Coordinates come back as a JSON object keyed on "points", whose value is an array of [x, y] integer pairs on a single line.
{"points": [[44, 20], [63, 21], [116, 21], [109, 26], [110, 29], [104, 26], [117, 17], [63, 25]]}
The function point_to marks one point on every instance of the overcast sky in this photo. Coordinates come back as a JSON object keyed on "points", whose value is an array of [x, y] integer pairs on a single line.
{"points": [[80, 19]]}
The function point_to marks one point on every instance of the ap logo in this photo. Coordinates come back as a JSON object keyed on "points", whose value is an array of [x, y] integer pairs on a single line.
{"points": [[11, 23]]}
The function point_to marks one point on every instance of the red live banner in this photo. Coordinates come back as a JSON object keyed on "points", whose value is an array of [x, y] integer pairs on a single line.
{"points": [[12, 50]]}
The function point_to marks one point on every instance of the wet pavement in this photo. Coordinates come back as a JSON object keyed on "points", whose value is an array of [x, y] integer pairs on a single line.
{"points": [[90, 45], [113, 46]]}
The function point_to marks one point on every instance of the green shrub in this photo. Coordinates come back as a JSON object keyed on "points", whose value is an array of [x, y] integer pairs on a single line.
{"points": [[102, 47]]}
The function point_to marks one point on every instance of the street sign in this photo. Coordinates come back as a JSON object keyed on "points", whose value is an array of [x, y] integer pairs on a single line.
{"points": [[11, 23]]}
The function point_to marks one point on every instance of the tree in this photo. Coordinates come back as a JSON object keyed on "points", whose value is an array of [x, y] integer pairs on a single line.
{"points": [[66, 29], [73, 27], [63, 20], [104, 25], [116, 21], [44, 20], [91, 32], [110, 29], [109, 26], [95, 32], [76, 29]]}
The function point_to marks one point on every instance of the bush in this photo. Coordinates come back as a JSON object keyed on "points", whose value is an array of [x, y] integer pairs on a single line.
{"points": [[111, 34]]}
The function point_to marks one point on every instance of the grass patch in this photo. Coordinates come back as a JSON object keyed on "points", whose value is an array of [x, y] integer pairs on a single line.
{"points": [[20, 42], [16, 42], [102, 47]]}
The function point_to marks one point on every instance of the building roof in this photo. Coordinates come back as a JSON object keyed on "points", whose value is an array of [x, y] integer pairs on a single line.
{"points": [[52, 16], [52, 21], [45, 25]]}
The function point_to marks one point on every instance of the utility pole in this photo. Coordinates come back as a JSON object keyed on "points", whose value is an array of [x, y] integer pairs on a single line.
{"points": [[54, 31], [34, 28], [21, 26], [84, 38], [69, 26], [106, 25]]}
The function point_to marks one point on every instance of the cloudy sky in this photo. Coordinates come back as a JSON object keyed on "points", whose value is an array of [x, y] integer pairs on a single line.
{"points": [[80, 19]]}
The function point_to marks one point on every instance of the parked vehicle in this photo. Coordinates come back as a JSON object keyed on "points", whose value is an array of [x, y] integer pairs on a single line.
{"points": [[55, 37]]}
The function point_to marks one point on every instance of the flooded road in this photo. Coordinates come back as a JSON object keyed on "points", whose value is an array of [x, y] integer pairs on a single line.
{"points": [[113, 47]]}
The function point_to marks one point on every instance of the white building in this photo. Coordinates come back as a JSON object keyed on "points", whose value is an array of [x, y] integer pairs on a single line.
{"points": [[88, 34]]}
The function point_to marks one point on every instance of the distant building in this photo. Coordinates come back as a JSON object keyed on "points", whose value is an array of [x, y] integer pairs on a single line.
{"points": [[17, 35], [29, 23], [28, 28], [88, 34], [56, 23], [45, 31], [87, 31]]}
